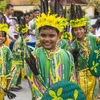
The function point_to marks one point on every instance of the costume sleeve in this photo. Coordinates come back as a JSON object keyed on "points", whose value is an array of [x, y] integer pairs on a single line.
{"points": [[72, 68], [9, 65], [98, 41], [37, 82]]}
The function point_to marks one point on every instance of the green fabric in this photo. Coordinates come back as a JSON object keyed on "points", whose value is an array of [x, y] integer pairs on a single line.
{"points": [[45, 64], [82, 63], [6, 56], [94, 61], [64, 90], [63, 44]]}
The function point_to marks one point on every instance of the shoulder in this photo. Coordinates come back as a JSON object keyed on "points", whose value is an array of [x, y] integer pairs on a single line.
{"points": [[6, 48]]}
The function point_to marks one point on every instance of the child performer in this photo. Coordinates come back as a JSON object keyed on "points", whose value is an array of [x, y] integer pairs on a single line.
{"points": [[5, 61], [82, 47], [18, 51], [52, 62]]}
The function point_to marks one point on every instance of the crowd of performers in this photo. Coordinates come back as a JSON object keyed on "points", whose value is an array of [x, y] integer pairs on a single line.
{"points": [[58, 54]]}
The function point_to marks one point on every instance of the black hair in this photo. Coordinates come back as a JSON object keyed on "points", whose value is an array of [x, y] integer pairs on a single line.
{"points": [[74, 28], [8, 6], [97, 23], [3, 18], [1, 15], [27, 13], [49, 27], [3, 33], [36, 9], [93, 26]]}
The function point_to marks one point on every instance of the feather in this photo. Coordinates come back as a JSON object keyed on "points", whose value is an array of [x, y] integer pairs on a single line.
{"points": [[72, 12], [42, 6], [10, 95], [46, 6], [57, 7], [52, 8], [31, 61]]}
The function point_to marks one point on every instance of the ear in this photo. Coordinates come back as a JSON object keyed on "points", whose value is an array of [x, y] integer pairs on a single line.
{"points": [[59, 35]]}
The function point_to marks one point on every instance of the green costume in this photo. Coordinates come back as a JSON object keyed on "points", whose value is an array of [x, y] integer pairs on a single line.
{"points": [[63, 44], [53, 67], [17, 61], [5, 67], [85, 79]]}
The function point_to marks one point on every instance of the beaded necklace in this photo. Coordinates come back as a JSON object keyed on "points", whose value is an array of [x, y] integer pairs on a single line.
{"points": [[84, 48], [49, 53]]}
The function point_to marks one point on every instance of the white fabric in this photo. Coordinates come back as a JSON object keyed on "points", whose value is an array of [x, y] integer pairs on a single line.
{"points": [[12, 32], [9, 21], [31, 37], [98, 32], [31, 23]]}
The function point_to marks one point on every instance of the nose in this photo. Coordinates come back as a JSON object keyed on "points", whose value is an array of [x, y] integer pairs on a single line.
{"points": [[78, 31], [47, 38]]}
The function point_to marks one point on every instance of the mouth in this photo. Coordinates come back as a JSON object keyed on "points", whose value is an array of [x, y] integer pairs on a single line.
{"points": [[46, 44], [79, 35]]}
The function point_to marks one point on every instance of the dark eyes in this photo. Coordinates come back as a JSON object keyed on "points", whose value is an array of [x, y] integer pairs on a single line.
{"points": [[43, 35], [50, 35]]}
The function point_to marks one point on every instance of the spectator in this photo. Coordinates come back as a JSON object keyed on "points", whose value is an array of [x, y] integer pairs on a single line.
{"points": [[97, 23], [93, 29], [32, 37]]}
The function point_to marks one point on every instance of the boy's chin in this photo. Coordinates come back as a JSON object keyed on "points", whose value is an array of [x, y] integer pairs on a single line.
{"points": [[48, 47]]}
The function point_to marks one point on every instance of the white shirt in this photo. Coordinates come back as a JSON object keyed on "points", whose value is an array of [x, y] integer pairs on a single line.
{"points": [[12, 32], [98, 32], [31, 37], [9, 21]]}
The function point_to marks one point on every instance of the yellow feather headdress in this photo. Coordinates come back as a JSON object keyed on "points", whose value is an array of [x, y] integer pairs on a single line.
{"points": [[51, 20], [67, 35], [4, 27], [76, 15], [78, 22], [24, 29]]}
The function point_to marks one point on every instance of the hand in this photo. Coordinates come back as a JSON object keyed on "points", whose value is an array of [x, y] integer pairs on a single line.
{"points": [[14, 39], [22, 52], [31, 33]]}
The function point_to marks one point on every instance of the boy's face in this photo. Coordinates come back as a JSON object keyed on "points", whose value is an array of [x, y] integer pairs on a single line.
{"points": [[2, 38], [92, 30], [36, 13], [10, 10], [48, 39], [27, 18], [79, 32]]}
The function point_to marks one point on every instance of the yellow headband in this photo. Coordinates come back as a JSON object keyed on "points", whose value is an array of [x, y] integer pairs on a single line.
{"points": [[24, 30], [4, 27], [78, 23], [51, 20], [67, 35]]}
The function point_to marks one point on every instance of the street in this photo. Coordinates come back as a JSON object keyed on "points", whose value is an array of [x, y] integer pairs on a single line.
{"points": [[24, 94]]}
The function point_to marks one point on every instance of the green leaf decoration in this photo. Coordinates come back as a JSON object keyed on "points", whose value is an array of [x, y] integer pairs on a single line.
{"points": [[94, 66], [59, 98], [95, 70], [75, 94], [59, 92], [52, 94], [96, 51]]}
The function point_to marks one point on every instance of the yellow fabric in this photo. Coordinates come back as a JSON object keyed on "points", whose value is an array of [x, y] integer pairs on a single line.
{"points": [[7, 41], [3, 83], [87, 82], [2, 94], [51, 20]]}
